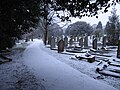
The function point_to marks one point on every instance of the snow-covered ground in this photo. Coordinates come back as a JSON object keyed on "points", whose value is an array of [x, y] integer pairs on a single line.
{"points": [[15, 75], [59, 72], [39, 68], [88, 68]]}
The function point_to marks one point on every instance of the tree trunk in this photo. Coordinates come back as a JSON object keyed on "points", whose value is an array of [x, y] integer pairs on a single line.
{"points": [[46, 22], [45, 36]]}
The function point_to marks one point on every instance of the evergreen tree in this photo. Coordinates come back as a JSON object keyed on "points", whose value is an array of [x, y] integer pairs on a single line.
{"points": [[16, 18], [99, 26], [98, 31], [112, 28]]}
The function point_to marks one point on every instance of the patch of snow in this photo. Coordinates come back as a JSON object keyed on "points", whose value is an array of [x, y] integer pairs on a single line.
{"points": [[57, 75]]}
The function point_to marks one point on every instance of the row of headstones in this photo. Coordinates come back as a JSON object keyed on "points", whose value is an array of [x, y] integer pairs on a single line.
{"points": [[64, 43], [69, 42], [83, 41]]}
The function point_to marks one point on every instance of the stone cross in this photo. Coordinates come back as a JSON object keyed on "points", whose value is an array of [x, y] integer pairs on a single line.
{"points": [[118, 50], [94, 43], [60, 46], [52, 44]]}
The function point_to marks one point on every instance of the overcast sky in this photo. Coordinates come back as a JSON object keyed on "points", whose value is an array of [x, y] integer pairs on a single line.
{"points": [[93, 20]]}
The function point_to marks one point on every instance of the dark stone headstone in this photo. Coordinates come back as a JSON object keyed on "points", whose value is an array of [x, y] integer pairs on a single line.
{"points": [[94, 43], [118, 50], [104, 41], [71, 42], [52, 44], [66, 41], [60, 46], [86, 41], [77, 38], [81, 42]]}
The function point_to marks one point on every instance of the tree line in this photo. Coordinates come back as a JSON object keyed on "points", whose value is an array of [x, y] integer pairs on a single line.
{"points": [[17, 17]]}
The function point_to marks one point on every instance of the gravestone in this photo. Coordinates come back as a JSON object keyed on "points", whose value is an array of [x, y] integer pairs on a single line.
{"points": [[77, 38], [70, 42], [104, 41], [66, 41], [118, 50], [27, 39], [60, 46], [86, 41], [52, 44], [81, 42], [94, 44]]}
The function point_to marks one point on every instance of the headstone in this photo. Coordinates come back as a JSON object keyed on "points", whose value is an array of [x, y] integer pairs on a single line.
{"points": [[60, 46], [77, 38], [27, 39], [86, 41], [118, 50], [52, 44], [104, 41], [70, 42], [94, 43], [66, 41], [81, 42]]}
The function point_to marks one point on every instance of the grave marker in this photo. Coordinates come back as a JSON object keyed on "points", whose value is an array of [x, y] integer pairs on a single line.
{"points": [[66, 41], [104, 41], [118, 50], [60, 46], [70, 42], [94, 43], [81, 42], [86, 41]]}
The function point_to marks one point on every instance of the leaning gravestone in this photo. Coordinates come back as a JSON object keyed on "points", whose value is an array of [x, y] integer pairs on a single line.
{"points": [[104, 41], [86, 41], [60, 46], [94, 43], [66, 41], [52, 44], [81, 42], [118, 50]]}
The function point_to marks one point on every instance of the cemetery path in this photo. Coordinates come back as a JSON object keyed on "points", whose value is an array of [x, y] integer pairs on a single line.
{"points": [[56, 75]]}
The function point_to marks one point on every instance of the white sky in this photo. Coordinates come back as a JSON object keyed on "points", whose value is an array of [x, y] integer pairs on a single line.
{"points": [[93, 20]]}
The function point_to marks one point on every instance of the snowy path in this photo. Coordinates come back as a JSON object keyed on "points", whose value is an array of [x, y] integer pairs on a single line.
{"points": [[57, 75]]}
